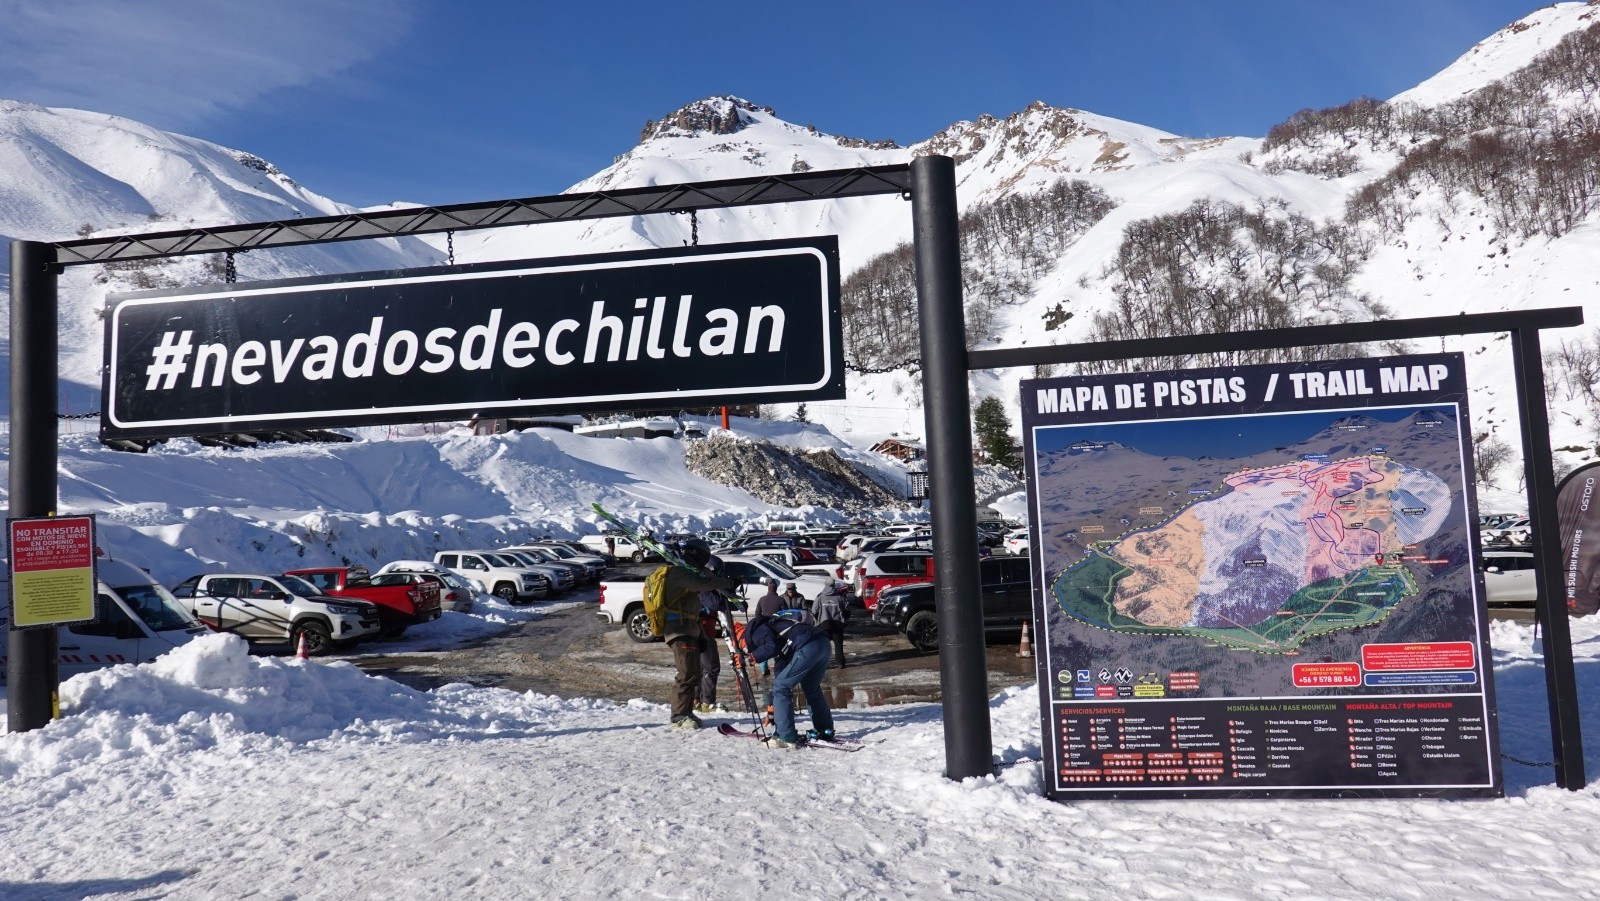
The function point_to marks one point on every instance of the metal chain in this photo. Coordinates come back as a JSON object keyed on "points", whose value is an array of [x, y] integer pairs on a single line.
{"points": [[230, 272], [1527, 762], [450, 247], [694, 226], [913, 364]]}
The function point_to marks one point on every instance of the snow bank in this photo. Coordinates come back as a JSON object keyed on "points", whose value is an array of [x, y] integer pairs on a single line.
{"points": [[211, 773]]}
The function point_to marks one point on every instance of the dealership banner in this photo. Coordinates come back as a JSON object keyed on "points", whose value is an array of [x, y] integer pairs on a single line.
{"points": [[1257, 581], [695, 326], [1578, 517]]}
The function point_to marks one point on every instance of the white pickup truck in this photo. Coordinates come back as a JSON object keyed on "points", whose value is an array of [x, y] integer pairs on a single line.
{"points": [[514, 585], [622, 596], [616, 545]]}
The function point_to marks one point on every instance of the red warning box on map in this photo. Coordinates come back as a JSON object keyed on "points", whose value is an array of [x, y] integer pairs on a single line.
{"points": [[1325, 675], [1419, 656]]}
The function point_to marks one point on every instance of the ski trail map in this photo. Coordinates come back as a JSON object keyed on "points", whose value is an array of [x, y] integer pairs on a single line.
{"points": [[1257, 580]]}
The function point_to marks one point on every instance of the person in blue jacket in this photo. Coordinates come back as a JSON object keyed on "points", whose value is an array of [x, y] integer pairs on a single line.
{"points": [[801, 650]]}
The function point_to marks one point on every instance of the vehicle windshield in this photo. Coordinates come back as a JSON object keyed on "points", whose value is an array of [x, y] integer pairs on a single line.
{"points": [[299, 587], [505, 561], [157, 607], [565, 553], [456, 582], [780, 570]]}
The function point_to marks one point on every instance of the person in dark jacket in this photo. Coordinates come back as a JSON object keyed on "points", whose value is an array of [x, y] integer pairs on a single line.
{"points": [[682, 632], [712, 605], [801, 653], [831, 612], [768, 605], [771, 602]]}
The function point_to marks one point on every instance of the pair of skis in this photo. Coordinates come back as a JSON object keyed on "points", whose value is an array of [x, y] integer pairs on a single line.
{"points": [[831, 744], [741, 678]]}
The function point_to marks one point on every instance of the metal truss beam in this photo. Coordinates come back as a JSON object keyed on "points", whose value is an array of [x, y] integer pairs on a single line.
{"points": [[1267, 339], [679, 198]]}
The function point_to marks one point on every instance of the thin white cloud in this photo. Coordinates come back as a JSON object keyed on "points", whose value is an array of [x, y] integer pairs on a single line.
{"points": [[179, 63]]}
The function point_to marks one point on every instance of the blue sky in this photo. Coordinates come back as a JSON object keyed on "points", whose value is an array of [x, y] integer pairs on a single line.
{"points": [[444, 101]]}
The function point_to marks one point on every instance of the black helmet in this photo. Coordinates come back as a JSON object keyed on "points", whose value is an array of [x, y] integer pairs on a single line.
{"points": [[695, 551]]}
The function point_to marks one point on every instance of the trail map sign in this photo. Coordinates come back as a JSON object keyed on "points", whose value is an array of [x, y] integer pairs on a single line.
{"points": [[683, 327], [1258, 581], [52, 570]]}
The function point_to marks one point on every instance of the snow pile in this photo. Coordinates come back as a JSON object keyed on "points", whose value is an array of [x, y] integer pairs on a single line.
{"points": [[313, 780]]}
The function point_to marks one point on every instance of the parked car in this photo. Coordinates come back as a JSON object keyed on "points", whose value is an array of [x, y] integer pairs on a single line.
{"points": [[849, 546], [536, 557], [1516, 530], [402, 603], [509, 583], [1509, 577], [135, 620], [595, 563], [456, 592], [561, 576], [260, 607], [798, 559], [889, 568], [1016, 543], [620, 546], [1007, 587]]}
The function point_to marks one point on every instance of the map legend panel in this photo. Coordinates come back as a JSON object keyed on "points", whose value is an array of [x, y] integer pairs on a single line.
{"points": [[1210, 745], [1248, 580]]}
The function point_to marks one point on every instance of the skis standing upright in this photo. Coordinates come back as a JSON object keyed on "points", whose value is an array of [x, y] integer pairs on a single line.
{"points": [[741, 678]]}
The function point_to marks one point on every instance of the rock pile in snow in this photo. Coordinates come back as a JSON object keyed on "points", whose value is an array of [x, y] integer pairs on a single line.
{"points": [[786, 476]]}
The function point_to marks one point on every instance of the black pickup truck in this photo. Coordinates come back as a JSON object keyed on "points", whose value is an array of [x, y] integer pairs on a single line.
{"points": [[1007, 584]]}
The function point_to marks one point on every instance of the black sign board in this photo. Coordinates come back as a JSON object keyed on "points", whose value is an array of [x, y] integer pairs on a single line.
{"points": [[1257, 581], [756, 322]]}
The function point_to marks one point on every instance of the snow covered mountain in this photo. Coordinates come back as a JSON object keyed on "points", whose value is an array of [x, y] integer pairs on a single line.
{"points": [[68, 173], [1447, 251]]}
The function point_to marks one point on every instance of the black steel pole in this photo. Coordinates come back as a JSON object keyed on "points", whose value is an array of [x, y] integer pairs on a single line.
{"points": [[963, 663], [1561, 686], [32, 669]]}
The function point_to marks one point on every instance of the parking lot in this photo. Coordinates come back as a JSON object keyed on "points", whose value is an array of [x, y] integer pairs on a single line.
{"points": [[570, 653]]}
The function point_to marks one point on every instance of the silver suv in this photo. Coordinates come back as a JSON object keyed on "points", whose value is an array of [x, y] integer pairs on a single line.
{"points": [[259, 607]]}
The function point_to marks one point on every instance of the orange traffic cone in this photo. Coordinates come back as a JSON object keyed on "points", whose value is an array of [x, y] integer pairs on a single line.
{"points": [[301, 650], [1026, 650]]}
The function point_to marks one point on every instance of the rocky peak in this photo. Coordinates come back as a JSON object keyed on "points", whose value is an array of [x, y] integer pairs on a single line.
{"points": [[713, 115], [1020, 132]]}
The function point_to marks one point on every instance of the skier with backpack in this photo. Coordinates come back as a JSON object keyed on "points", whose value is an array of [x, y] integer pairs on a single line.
{"points": [[713, 607], [801, 652], [672, 601]]}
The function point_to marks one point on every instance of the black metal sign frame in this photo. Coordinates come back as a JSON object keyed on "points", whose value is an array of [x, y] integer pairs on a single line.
{"points": [[623, 331]]}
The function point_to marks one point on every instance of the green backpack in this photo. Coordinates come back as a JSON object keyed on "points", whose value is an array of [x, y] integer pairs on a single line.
{"points": [[655, 600]]}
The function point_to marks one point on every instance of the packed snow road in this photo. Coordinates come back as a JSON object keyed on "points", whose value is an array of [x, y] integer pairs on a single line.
{"points": [[569, 653]]}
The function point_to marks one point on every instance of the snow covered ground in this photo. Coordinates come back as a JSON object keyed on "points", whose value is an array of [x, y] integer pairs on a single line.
{"points": [[215, 774]]}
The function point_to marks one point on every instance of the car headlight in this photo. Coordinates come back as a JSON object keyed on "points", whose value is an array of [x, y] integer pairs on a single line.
{"points": [[345, 609]]}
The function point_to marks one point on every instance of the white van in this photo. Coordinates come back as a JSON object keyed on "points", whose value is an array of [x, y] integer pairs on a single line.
{"points": [[136, 621]]}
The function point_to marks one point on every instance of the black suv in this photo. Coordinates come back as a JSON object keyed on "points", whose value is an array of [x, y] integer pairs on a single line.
{"points": [[1007, 584]]}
